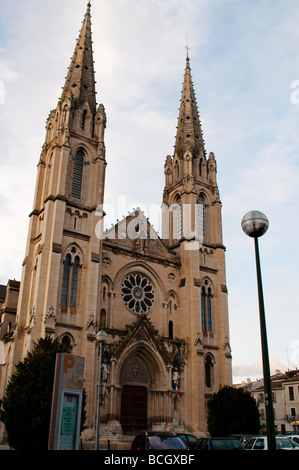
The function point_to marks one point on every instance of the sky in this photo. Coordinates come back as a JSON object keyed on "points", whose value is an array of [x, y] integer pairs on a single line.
{"points": [[244, 58]]}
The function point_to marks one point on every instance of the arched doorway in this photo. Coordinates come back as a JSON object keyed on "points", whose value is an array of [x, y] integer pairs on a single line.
{"points": [[134, 394], [133, 409], [143, 385]]}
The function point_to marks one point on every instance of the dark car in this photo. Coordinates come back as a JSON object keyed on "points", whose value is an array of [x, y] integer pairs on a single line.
{"points": [[189, 439], [218, 443], [157, 441]]}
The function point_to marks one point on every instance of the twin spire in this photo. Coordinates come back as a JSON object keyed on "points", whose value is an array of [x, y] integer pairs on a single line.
{"points": [[80, 83], [189, 135], [80, 80]]}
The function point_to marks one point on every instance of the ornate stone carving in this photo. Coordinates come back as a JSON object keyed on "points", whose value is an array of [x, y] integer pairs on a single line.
{"points": [[31, 320], [226, 347], [50, 320], [91, 326], [198, 343], [134, 371]]}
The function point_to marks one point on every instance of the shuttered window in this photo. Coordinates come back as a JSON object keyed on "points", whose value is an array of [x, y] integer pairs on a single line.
{"points": [[78, 174], [177, 227], [201, 218]]}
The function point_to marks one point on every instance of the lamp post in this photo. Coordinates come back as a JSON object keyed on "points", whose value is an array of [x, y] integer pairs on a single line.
{"points": [[101, 337], [255, 224]]}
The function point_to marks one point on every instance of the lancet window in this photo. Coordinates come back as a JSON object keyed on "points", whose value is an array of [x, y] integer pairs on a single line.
{"points": [[201, 217], [78, 174], [209, 371], [70, 280], [206, 307]]}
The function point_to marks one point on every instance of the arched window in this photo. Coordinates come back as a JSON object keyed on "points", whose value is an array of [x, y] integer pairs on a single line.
{"points": [[74, 282], [206, 308], [103, 319], [177, 219], [65, 280], [208, 371], [70, 281], [209, 310], [203, 309], [66, 343], [201, 218], [78, 174]]}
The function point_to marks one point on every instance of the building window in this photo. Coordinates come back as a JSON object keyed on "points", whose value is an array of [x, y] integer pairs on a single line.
{"points": [[291, 393], [70, 281], [78, 174], [137, 293], [201, 218], [65, 280], [177, 223], [203, 311], [74, 282], [66, 343], [206, 308], [209, 310], [208, 371], [103, 319]]}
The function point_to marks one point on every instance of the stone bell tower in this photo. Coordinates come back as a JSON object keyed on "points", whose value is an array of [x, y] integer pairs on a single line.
{"points": [[192, 228], [61, 269]]}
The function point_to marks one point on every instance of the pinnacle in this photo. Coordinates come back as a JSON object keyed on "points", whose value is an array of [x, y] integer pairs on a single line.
{"points": [[189, 134], [80, 80]]}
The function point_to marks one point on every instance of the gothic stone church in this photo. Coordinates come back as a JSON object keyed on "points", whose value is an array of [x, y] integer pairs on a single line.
{"points": [[161, 300]]}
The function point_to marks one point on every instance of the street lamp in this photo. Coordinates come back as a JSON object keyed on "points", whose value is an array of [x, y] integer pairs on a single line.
{"points": [[255, 224], [101, 337]]}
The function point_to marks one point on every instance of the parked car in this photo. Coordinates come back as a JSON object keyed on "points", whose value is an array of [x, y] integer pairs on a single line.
{"points": [[294, 438], [157, 441], [188, 439], [261, 443], [243, 438], [218, 443]]}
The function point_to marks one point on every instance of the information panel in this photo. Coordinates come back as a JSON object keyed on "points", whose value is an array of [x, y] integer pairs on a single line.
{"points": [[66, 403]]}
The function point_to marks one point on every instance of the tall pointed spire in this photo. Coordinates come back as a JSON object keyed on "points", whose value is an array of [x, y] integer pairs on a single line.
{"points": [[189, 134], [80, 80]]}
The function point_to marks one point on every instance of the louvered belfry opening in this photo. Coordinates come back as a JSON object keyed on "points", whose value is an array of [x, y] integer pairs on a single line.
{"points": [[78, 174]]}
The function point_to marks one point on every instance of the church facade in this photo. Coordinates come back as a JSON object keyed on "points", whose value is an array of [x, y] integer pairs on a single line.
{"points": [[161, 300]]}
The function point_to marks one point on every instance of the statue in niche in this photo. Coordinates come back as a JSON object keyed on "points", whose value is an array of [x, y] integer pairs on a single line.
{"points": [[105, 373]]}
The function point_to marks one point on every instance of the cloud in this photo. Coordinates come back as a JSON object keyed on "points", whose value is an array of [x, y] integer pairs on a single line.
{"points": [[249, 372]]}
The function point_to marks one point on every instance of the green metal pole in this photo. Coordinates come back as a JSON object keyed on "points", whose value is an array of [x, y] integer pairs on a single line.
{"points": [[99, 400], [266, 367]]}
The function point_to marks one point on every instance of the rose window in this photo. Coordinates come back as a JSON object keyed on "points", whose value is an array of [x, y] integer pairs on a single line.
{"points": [[137, 293]]}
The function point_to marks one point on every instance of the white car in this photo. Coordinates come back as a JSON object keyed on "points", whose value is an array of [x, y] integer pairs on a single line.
{"points": [[261, 443]]}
